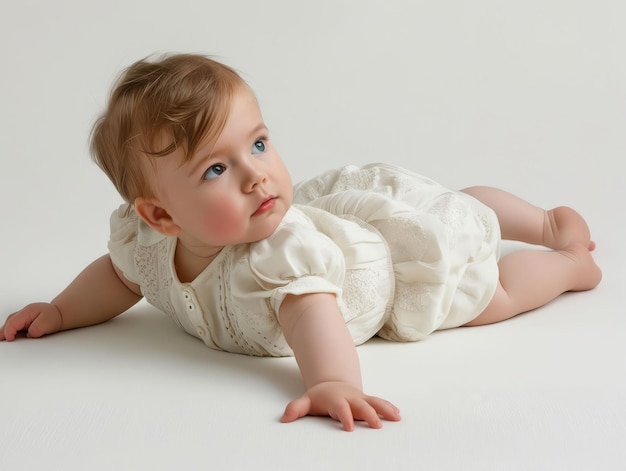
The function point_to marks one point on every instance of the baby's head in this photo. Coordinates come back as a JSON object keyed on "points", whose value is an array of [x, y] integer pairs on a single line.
{"points": [[184, 141], [156, 107]]}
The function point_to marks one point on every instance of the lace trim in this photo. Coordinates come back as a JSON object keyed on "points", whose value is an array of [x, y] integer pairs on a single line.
{"points": [[360, 291], [154, 277], [227, 310], [353, 178]]}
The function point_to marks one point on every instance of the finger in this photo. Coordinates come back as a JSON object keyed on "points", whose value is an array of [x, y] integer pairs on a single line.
{"points": [[42, 325], [364, 411], [20, 321], [2, 336], [3, 328], [12, 326], [343, 413], [296, 409], [9, 333], [384, 409]]}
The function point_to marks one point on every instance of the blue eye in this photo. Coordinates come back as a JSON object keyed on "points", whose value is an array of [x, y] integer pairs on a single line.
{"points": [[214, 171], [259, 147]]}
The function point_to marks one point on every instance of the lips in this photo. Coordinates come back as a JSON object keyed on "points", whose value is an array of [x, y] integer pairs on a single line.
{"points": [[266, 205]]}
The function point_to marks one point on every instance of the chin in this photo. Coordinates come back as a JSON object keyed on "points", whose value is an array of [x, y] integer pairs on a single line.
{"points": [[266, 232]]}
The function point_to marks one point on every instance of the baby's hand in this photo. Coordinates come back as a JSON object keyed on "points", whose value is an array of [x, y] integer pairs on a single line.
{"points": [[342, 402], [36, 319]]}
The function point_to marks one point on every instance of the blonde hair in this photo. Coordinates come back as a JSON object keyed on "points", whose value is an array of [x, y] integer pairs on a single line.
{"points": [[180, 100]]}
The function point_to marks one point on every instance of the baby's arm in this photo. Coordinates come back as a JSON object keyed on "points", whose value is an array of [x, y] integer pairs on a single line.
{"points": [[99, 293], [328, 361]]}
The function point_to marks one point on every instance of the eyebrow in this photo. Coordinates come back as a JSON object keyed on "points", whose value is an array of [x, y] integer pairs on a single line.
{"points": [[212, 153]]}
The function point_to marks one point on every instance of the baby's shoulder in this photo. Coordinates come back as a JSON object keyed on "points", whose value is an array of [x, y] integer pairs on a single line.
{"points": [[296, 248], [298, 230]]}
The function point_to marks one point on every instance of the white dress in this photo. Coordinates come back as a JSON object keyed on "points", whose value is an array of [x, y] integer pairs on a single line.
{"points": [[403, 255]]}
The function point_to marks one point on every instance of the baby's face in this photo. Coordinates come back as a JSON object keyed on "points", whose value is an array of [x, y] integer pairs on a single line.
{"points": [[233, 191]]}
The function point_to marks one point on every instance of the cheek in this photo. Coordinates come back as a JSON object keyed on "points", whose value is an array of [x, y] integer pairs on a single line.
{"points": [[224, 221]]}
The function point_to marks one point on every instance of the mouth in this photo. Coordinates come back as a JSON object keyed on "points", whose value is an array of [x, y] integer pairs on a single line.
{"points": [[266, 205]]}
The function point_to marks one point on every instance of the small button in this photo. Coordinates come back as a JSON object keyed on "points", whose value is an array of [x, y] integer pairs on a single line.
{"points": [[190, 307], [186, 295], [200, 331]]}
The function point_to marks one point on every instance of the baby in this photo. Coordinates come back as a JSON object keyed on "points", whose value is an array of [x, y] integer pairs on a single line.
{"points": [[214, 234]]}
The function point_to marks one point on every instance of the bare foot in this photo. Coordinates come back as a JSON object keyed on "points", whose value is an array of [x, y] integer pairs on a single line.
{"points": [[563, 227], [588, 274]]}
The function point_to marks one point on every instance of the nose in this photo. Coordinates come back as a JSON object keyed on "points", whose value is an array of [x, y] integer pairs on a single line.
{"points": [[253, 175]]}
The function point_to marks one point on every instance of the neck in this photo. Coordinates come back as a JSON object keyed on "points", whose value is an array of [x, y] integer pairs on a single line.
{"points": [[190, 263]]}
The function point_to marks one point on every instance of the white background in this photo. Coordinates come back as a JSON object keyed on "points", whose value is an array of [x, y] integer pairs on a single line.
{"points": [[529, 96]]}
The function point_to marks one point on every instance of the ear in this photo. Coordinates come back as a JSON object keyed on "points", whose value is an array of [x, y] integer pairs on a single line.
{"points": [[155, 216]]}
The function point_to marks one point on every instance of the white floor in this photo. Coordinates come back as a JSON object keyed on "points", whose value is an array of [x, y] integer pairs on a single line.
{"points": [[530, 98]]}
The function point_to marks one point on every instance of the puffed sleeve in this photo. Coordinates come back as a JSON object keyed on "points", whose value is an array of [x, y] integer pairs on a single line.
{"points": [[295, 260], [124, 227]]}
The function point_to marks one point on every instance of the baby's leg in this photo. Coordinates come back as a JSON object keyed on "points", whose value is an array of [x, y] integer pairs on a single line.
{"points": [[531, 278], [519, 220]]}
